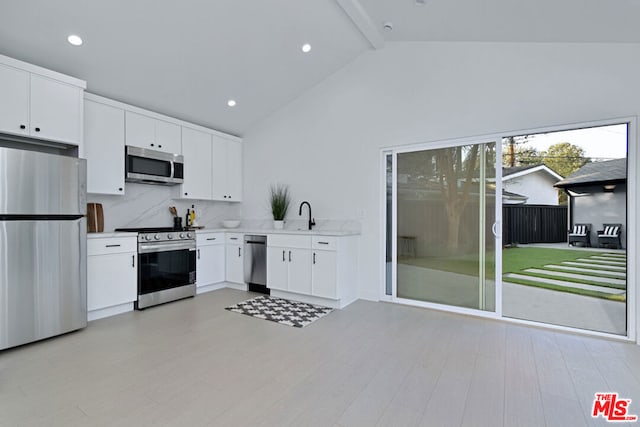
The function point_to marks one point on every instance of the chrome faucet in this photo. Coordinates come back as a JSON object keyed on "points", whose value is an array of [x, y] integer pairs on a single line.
{"points": [[312, 221]]}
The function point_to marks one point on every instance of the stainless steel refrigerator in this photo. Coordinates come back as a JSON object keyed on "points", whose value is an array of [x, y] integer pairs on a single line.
{"points": [[43, 249]]}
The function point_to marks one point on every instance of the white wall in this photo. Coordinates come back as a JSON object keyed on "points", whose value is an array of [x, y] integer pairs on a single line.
{"points": [[537, 186], [326, 144]]}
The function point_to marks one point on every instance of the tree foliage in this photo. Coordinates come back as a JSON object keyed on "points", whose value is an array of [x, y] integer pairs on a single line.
{"points": [[564, 158]]}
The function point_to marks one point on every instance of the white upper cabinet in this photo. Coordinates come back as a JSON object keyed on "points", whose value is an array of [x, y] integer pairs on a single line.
{"points": [[196, 149], [56, 110], [14, 102], [104, 147], [147, 132], [227, 169], [212, 167], [168, 137], [34, 103], [234, 171]]}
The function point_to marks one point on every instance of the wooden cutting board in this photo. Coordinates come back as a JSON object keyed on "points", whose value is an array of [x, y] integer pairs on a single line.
{"points": [[95, 218]]}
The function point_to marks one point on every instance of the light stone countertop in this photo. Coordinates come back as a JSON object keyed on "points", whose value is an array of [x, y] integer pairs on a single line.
{"points": [[112, 234], [285, 231], [336, 233]]}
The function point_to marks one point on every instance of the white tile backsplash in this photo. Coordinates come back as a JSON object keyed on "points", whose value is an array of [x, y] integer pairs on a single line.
{"points": [[145, 205]]}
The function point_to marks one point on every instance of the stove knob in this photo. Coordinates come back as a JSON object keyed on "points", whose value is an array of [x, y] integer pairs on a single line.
{"points": [[157, 237], [188, 235], [170, 236], [182, 235], [147, 237]]}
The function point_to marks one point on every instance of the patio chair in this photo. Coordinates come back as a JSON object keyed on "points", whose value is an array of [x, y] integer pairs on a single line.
{"points": [[581, 233], [609, 236]]}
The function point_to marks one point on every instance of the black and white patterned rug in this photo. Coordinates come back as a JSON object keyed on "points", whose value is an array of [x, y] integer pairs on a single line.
{"points": [[292, 313]]}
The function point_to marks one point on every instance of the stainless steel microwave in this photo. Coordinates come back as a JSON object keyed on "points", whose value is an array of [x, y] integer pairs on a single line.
{"points": [[153, 167]]}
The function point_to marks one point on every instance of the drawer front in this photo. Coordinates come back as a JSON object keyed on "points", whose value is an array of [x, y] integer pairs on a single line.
{"points": [[112, 245], [234, 238], [328, 243], [289, 241], [207, 239]]}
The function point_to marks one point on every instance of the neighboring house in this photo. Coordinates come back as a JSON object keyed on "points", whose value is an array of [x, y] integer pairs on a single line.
{"points": [[598, 195], [531, 185]]}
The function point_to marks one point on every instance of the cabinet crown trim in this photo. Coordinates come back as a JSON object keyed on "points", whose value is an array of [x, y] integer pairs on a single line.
{"points": [[131, 108], [35, 69]]}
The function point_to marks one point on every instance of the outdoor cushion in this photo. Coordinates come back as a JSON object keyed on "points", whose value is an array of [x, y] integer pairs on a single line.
{"points": [[610, 230], [579, 230]]}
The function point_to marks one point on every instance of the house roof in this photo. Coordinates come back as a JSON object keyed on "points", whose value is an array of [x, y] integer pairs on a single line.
{"points": [[517, 171], [513, 196], [596, 173]]}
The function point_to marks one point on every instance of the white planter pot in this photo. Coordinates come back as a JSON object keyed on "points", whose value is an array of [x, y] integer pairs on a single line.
{"points": [[278, 225]]}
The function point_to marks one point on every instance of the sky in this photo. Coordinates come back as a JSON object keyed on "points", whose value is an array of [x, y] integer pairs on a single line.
{"points": [[599, 143]]}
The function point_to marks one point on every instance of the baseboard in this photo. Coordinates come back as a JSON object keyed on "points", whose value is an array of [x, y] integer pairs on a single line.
{"points": [[238, 286], [109, 311], [369, 295], [209, 288]]}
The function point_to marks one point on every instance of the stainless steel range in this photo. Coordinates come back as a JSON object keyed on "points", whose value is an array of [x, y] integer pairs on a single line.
{"points": [[166, 265]]}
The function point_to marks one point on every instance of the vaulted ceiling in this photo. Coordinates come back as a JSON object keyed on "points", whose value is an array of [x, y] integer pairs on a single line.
{"points": [[188, 58]]}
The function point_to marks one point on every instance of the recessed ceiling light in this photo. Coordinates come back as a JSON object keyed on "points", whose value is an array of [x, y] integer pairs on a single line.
{"points": [[306, 47], [231, 103], [388, 26], [74, 40]]}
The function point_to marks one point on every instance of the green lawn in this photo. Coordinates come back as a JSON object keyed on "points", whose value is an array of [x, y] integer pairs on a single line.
{"points": [[515, 260], [518, 259], [467, 265]]}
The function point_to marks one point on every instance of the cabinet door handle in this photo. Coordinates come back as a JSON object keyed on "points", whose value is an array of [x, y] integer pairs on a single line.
{"points": [[159, 146], [133, 261], [289, 256], [211, 238], [23, 127], [198, 253], [233, 238], [323, 243], [239, 251], [120, 189], [37, 129], [112, 246], [152, 144], [314, 257], [283, 260]]}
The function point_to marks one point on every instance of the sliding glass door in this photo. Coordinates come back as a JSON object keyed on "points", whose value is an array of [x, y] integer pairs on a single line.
{"points": [[441, 211]]}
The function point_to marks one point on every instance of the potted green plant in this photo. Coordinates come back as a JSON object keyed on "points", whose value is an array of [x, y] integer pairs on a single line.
{"points": [[280, 200]]}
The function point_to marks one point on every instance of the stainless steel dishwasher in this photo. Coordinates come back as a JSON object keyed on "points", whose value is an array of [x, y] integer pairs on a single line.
{"points": [[255, 263]]}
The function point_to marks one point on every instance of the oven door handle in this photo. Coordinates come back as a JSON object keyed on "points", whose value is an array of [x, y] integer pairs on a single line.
{"points": [[165, 247]]}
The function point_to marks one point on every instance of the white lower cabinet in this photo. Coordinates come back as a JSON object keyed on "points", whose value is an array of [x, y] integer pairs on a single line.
{"points": [[112, 267], [234, 258], [315, 269], [289, 269], [289, 263], [210, 259], [324, 274]]}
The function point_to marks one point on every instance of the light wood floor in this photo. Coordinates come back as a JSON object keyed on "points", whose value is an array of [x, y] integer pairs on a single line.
{"points": [[193, 363]]}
